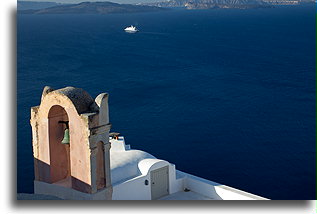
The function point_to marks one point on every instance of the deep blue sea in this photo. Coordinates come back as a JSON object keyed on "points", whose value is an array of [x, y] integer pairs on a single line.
{"points": [[227, 95]]}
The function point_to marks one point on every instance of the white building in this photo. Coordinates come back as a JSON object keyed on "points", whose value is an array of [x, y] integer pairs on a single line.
{"points": [[137, 175], [76, 158]]}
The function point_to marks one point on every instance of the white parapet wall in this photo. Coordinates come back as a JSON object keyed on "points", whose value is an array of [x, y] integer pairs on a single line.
{"points": [[215, 190]]}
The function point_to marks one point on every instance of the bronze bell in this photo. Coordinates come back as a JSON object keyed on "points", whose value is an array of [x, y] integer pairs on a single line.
{"points": [[66, 137], [66, 132]]}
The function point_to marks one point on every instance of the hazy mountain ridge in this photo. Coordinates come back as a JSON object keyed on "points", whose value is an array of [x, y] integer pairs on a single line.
{"points": [[241, 4], [35, 5], [208, 4], [94, 8]]}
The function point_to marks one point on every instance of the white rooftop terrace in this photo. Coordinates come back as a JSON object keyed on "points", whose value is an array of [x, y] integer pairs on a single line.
{"points": [[131, 168], [184, 195]]}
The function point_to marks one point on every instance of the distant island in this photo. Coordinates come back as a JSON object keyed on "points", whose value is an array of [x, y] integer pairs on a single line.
{"points": [[212, 4], [238, 4], [35, 5], [29, 7], [93, 8]]}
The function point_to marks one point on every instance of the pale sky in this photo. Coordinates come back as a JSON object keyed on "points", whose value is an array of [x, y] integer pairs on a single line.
{"points": [[116, 1]]}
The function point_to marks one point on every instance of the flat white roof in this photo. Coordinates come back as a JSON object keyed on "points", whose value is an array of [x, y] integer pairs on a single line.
{"points": [[186, 196]]}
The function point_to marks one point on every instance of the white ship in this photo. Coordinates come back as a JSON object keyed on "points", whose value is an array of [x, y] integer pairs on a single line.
{"points": [[131, 29]]}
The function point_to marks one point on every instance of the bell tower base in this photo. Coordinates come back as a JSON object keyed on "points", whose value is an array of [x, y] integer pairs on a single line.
{"points": [[64, 192]]}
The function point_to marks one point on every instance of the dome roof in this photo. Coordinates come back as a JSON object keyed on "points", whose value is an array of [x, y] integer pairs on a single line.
{"points": [[124, 164], [82, 101]]}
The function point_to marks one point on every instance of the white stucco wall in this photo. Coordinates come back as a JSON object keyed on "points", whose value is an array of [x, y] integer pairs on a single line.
{"points": [[134, 189]]}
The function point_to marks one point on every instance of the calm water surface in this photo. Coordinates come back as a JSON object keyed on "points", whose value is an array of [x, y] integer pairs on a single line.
{"points": [[227, 95]]}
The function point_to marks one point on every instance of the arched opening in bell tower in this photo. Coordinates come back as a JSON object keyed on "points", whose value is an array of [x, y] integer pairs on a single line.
{"points": [[59, 146]]}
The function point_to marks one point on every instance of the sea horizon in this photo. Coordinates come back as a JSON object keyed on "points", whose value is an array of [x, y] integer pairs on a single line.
{"points": [[226, 95]]}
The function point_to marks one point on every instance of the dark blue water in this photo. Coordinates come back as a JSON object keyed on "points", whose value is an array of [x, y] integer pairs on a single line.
{"points": [[228, 95]]}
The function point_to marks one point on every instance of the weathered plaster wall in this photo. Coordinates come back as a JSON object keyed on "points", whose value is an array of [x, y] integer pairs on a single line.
{"points": [[83, 160]]}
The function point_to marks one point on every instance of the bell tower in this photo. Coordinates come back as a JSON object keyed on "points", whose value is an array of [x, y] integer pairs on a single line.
{"points": [[70, 132]]}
